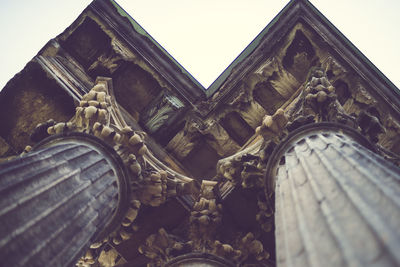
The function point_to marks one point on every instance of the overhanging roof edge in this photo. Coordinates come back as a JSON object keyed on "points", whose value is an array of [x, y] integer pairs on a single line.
{"points": [[162, 58], [370, 70], [305, 5], [302, 5], [139, 29], [247, 51]]}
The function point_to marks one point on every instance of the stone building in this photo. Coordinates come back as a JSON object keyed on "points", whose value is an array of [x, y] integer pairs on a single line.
{"points": [[114, 155]]}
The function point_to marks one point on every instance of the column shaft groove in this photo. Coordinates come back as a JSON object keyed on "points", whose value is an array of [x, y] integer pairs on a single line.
{"points": [[58, 199], [337, 202]]}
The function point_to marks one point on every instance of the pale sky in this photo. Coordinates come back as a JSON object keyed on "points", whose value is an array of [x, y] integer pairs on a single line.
{"points": [[204, 36]]}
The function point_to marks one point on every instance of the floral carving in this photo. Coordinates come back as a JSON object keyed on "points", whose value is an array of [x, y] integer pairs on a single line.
{"points": [[318, 102]]}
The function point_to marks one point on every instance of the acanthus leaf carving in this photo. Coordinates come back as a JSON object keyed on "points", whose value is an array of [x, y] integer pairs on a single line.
{"points": [[152, 189], [165, 108], [318, 102], [334, 67], [184, 141], [251, 247], [210, 131]]}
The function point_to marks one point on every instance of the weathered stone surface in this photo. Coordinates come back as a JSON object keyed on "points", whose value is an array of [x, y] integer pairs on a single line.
{"points": [[31, 98], [58, 199], [336, 201], [167, 128]]}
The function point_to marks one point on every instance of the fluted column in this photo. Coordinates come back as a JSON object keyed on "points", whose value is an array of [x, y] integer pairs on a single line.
{"points": [[58, 199], [337, 203]]}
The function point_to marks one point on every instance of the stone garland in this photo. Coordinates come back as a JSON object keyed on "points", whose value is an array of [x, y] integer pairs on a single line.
{"points": [[148, 185]]}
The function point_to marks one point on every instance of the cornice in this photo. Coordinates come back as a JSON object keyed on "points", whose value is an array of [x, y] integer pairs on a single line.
{"points": [[149, 49]]}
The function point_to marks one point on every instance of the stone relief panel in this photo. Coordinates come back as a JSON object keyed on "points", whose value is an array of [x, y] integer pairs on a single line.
{"points": [[161, 112]]}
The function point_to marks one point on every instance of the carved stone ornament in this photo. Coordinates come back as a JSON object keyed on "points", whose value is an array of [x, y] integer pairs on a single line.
{"points": [[205, 216], [316, 103], [199, 259], [243, 168], [283, 175], [201, 237], [151, 182], [161, 112], [318, 100], [273, 126]]}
